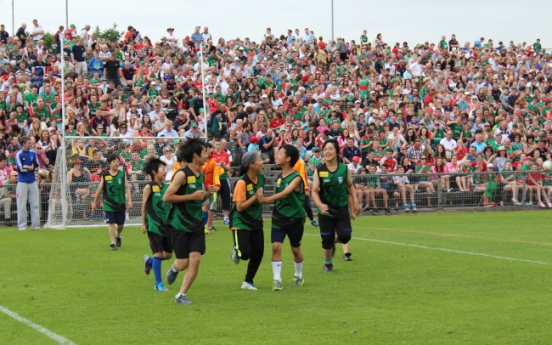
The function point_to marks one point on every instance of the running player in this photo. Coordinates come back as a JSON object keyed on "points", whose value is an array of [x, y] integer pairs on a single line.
{"points": [[246, 217], [114, 185], [186, 216], [331, 184], [154, 216], [288, 216], [211, 171], [301, 168]]}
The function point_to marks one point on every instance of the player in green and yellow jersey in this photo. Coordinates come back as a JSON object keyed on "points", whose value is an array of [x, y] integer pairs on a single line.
{"points": [[155, 213], [246, 217], [185, 220], [331, 187], [116, 190], [288, 215]]}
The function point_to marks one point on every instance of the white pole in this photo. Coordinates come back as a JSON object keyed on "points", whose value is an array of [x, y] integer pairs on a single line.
{"points": [[206, 111], [332, 20], [63, 168]]}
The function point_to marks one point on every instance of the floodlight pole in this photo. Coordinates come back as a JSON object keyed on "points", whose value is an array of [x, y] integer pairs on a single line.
{"points": [[332, 20], [13, 18], [63, 147], [205, 110], [67, 14]]}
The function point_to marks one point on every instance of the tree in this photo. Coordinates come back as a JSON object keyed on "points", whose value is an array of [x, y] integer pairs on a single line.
{"points": [[111, 35], [49, 41]]}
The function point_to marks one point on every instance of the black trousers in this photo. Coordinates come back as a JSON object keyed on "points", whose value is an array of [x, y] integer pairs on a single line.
{"points": [[250, 246], [224, 194]]}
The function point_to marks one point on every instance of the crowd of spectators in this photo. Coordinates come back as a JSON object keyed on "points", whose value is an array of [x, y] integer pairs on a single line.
{"points": [[439, 107]]}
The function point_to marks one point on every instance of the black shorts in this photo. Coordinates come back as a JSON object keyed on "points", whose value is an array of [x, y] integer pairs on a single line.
{"points": [[115, 217], [338, 223], [295, 235], [185, 242], [160, 243]]}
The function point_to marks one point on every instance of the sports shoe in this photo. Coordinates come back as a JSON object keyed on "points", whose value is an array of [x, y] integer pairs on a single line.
{"points": [[549, 204], [516, 203], [234, 256], [277, 285], [8, 222], [112, 246], [182, 299], [366, 208], [541, 205], [248, 286], [160, 287], [314, 223], [347, 257], [413, 207], [375, 211], [211, 229], [296, 281], [328, 268], [147, 266], [530, 203], [206, 230], [405, 207], [118, 241], [171, 275], [387, 211], [226, 221]]}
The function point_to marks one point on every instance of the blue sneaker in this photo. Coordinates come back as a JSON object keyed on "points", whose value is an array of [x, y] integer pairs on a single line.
{"points": [[405, 207], [226, 221], [171, 275], [160, 287], [182, 299], [414, 209], [314, 223], [147, 266]]}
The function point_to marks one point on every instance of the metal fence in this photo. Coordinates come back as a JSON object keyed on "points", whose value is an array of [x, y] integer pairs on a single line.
{"points": [[435, 191]]}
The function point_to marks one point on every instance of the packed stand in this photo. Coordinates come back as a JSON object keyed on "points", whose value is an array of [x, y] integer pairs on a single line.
{"points": [[446, 109]]}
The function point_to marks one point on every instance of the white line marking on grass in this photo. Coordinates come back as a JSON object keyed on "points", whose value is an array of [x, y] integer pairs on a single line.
{"points": [[448, 250], [39, 328]]}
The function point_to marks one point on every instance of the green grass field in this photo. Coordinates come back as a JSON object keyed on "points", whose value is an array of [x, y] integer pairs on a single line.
{"points": [[417, 279]]}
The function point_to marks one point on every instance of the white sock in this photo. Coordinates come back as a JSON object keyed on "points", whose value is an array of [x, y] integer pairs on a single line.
{"points": [[277, 269], [299, 269]]}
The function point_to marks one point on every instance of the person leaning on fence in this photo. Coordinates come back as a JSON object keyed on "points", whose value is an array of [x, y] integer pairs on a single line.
{"points": [[7, 194], [27, 188]]}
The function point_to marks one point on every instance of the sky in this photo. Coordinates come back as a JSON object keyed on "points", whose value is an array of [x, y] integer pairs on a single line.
{"points": [[398, 21]]}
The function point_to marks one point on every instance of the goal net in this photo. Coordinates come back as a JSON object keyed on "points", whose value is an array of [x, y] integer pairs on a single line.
{"points": [[77, 176]]}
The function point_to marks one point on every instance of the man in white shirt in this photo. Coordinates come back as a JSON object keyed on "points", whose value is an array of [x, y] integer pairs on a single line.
{"points": [[85, 36], [355, 167], [38, 31], [159, 125], [168, 131], [449, 143], [206, 35], [416, 68]]}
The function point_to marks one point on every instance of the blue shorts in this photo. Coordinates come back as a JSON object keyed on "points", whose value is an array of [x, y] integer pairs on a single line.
{"points": [[295, 235], [115, 217]]}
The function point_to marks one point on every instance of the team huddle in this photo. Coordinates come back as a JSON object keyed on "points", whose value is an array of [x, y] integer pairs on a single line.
{"points": [[174, 215]]}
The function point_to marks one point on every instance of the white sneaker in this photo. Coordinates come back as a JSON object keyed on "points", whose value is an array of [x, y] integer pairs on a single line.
{"points": [[248, 286]]}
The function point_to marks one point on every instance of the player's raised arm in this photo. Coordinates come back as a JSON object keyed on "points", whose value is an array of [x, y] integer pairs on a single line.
{"points": [[293, 186]]}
